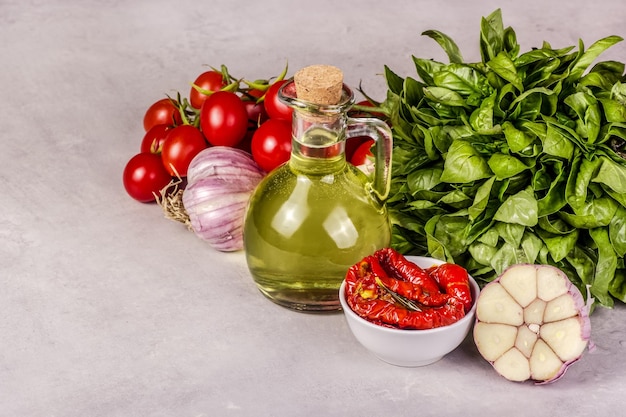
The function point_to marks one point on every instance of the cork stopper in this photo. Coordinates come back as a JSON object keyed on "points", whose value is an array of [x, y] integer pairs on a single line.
{"points": [[319, 84]]}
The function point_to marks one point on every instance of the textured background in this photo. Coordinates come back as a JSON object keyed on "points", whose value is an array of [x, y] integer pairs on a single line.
{"points": [[107, 309]]}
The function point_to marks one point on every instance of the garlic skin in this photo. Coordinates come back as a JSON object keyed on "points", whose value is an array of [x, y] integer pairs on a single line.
{"points": [[220, 183]]}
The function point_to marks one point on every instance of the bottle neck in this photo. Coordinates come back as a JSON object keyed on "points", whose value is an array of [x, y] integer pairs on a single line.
{"points": [[318, 150]]}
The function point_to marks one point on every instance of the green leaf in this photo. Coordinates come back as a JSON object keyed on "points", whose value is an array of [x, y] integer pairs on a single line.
{"points": [[557, 144], [444, 96], [481, 119], [413, 91], [618, 286], [491, 35], [596, 213], [456, 199], [502, 65], [463, 79], [605, 266], [506, 256], [423, 179], [531, 245], [617, 231], [559, 245], [505, 166], [591, 54], [614, 110], [394, 82], [482, 253], [583, 263], [518, 140], [426, 68], [554, 225], [464, 164], [481, 199], [588, 112], [510, 232], [448, 45], [520, 208], [583, 170], [611, 174], [446, 234], [554, 200]]}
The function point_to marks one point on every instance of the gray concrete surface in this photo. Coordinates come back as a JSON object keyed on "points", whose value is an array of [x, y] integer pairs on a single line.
{"points": [[107, 309]]}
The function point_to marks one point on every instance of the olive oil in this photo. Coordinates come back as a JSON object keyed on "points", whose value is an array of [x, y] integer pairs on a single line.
{"points": [[307, 223]]}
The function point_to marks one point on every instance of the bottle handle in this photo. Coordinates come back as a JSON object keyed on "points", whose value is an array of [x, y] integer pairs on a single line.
{"points": [[381, 133]]}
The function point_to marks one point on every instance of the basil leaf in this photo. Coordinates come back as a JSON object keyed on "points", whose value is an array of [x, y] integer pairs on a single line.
{"points": [[426, 68], [505, 166], [591, 54], [611, 174], [491, 35], [481, 199], [520, 208], [463, 79], [394, 82], [557, 144], [559, 245], [614, 110], [448, 45], [605, 266], [588, 112], [531, 245], [596, 213], [517, 139], [444, 96], [617, 231], [504, 66], [481, 119], [618, 286], [464, 164]]}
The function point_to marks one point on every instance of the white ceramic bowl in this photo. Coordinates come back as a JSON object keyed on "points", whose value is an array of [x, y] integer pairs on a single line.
{"points": [[410, 347]]}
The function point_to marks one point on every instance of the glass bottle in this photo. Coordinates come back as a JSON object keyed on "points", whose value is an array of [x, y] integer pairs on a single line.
{"points": [[313, 217]]}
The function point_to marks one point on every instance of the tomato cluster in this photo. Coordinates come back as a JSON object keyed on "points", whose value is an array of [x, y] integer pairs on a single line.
{"points": [[220, 110]]}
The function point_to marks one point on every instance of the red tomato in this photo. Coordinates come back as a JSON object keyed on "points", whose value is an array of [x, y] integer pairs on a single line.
{"points": [[360, 155], [209, 81], [275, 108], [143, 175], [181, 145], [256, 112], [224, 119], [163, 112], [153, 139], [271, 144], [353, 143]]}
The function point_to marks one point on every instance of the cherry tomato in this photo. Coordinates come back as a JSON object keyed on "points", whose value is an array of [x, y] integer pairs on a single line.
{"points": [[162, 112], [181, 145], [256, 111], [153, 139], [271, 144], [360, 155], [209, 81], [275, 108], [224, 119], [143, 175], [246, 143], [353, 143]]}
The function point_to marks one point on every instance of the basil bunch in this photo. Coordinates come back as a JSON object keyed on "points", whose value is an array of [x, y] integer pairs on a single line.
{"points": [[519, 158]]}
